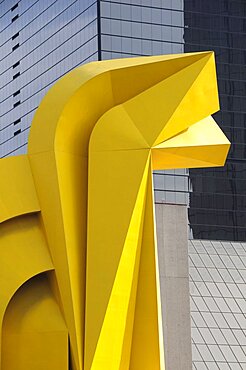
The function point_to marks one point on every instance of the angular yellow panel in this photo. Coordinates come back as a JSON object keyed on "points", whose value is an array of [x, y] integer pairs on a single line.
{"points": [[143, 73], [164, 110], [118, 318], [200, 100], [147, 324], [120, 176], [17, 190], [201, 145]]}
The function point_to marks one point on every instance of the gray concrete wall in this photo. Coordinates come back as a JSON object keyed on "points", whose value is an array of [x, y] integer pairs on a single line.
{"points": [[172, 241]]}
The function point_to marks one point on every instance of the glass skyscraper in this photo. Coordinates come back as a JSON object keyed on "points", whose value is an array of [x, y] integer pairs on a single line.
{"points": [[41, 40], [218, 201]]}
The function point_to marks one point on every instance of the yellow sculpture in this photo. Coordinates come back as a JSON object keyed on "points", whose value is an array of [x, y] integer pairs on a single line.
{"points": [[77, 248]]}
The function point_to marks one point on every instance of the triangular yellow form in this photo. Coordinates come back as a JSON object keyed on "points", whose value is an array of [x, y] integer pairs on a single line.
{"points": [[120, 176], [145, 72], [200, 100], [177, 102], [202, 145], [113, 347], [147, 352]]}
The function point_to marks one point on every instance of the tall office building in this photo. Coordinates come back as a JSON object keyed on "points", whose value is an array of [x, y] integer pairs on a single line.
{"points": [[218, 201], [42, 40]]}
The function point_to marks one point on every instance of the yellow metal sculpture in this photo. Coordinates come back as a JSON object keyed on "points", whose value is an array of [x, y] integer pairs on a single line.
{"points": [[77, 248]]}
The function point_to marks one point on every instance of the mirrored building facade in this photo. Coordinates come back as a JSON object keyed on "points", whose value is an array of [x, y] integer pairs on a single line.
{"points": [[40, 41], [218, 200]]}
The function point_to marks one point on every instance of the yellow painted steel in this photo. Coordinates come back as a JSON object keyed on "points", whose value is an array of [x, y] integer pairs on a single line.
{"points": [[17, 187], [83, 210], [35, 336]]}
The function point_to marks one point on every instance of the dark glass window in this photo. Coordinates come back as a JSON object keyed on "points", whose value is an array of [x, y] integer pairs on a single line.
{"points": [[15, 35], [17, 132], [15, 47], [16, 75], [16, 104], [16, 64], [15, 18], [17, 121], [16, 93], [14, 7]]}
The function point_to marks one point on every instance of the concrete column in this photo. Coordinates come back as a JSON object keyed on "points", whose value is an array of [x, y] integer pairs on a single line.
{"points": [[172, 241]]}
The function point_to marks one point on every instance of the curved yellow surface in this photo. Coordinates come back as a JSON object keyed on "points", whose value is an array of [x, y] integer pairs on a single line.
{"points": [[94, 141], [23, 254], [34, 328]]}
